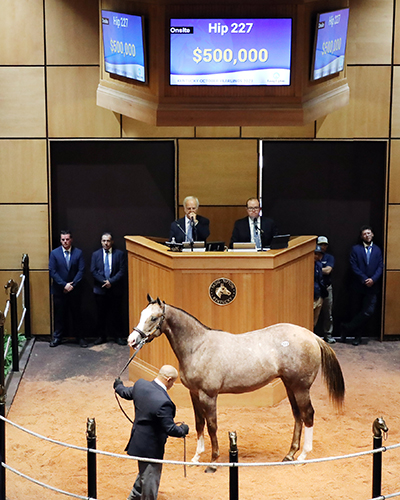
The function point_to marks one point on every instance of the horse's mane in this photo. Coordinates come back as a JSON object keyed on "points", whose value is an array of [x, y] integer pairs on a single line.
{"points": [[185, 312], [188, 314]]}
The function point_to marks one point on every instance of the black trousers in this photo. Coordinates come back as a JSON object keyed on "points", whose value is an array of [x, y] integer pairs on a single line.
{"points": [[363, 307], [67, 312], [109, 315]]}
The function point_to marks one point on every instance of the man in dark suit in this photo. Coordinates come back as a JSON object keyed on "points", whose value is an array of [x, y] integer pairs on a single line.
{"points": [[366, 263], [192, 227], [66, 266], [154, 422], [253, 228], [108, 268]]}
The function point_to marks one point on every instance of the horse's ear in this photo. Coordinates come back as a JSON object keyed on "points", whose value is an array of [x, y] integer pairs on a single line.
{"points": [[149, 299], [159, 302]]}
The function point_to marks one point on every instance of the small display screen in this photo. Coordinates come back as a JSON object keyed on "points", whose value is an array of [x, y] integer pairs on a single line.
{"points": [[230, 51], [330, 43], [123, 43]]}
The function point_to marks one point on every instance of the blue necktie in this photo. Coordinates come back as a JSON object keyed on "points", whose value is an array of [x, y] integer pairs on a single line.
{"points": [[67, 256], [257, 239], [106, 266]]}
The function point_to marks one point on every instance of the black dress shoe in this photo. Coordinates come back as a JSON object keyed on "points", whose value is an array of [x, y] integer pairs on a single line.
{"points": [[121, 341], [100, 340], [329, 340], [55, 343], [343, 333], [83, 343], [356, 341]]}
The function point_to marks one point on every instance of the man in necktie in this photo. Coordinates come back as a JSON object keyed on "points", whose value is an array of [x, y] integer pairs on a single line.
{"points": [[66, 267], [254, 228], [191, 227], [367, 267], [108, 268]]}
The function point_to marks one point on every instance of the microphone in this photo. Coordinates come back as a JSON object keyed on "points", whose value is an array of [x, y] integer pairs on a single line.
{"points": [[257, 228], [184, 232]]}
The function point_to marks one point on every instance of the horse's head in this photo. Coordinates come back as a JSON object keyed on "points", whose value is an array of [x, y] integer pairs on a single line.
{"points": [[149, 326]]}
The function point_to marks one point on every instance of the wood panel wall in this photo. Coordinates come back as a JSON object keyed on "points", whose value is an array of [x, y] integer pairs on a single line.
{"points": [[48, 74]]}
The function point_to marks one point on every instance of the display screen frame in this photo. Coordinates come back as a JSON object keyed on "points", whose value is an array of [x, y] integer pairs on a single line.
{"points": [[324, 62], [233, 48], [118, 45]]}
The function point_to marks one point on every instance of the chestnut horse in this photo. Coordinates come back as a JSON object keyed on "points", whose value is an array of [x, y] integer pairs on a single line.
{"points": [[213, 362]]}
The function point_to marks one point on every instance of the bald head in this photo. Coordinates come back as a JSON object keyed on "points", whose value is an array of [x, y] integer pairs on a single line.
{"points": [[167, 375]]}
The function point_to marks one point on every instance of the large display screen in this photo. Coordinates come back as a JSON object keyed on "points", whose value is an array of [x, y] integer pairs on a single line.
{"points": [[330, 43], [230, 51], [123, 42]]}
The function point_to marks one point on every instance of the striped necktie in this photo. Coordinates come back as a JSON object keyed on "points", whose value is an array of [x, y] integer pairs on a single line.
{"points": [[257, 238]]}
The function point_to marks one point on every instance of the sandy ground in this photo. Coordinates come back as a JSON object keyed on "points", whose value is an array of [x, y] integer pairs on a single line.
{"points": [[55, 401]]}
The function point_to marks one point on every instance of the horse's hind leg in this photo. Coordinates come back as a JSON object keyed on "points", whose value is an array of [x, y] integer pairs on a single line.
{"points": [[298, 424], [209, 405], [303, 412], [200, 422]]}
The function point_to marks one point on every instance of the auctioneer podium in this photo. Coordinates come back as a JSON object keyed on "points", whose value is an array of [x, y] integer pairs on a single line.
{"points": [[235, 291]]}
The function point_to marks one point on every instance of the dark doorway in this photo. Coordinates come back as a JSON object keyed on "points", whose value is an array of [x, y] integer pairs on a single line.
{"points": [[124, 187], [328, 188]]}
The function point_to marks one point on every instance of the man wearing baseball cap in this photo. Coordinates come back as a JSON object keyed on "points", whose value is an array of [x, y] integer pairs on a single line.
{"points": [[319, 287], [328, 263]]}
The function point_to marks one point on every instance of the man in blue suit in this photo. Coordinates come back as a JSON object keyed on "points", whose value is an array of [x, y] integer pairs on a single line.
{"points": [[108, 268], [154, 422], [66, 267], [366, 263]]}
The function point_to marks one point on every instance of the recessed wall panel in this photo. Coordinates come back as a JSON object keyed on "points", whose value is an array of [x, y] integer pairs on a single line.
{"points": [[23, 171], [218, 172], [22, 102], [72, 104]]}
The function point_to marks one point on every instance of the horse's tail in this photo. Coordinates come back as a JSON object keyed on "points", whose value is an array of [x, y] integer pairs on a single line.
{"points": [[332, 373]]}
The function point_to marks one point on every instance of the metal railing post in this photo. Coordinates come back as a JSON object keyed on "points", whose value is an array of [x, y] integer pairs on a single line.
{"points": [[27, 295], [14, 323], [2, 412], [91, 457], [378, 426], [14, 330], [234, 470]]}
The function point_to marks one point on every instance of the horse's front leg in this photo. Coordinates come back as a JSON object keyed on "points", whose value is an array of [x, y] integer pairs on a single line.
{"points": [[209, 405], [200, 422]]}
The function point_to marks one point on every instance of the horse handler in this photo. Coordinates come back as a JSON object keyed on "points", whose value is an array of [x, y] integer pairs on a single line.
{"points": [[154, 422]]}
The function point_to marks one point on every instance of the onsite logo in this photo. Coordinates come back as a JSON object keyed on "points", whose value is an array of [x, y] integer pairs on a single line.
{"points": [[222, 291]]}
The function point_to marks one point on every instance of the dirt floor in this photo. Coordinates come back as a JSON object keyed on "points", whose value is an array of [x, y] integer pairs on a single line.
{"points": [[62, 387]]}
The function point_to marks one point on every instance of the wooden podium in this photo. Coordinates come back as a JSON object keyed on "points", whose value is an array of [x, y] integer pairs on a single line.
{"points": [[269, 287]]}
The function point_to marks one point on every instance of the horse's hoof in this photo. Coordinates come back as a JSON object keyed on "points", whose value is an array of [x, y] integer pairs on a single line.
{"points": [[210, 469], [288, 459]]}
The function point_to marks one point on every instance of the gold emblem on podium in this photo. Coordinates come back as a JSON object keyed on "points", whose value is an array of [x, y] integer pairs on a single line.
{"points": [[222, 291]]}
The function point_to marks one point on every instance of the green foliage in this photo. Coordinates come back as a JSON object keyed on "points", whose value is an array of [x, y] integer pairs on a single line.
{"points": [[8, 358]]}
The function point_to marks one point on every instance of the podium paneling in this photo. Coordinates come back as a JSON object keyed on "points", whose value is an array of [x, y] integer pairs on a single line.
{"points": [[272, 287]]}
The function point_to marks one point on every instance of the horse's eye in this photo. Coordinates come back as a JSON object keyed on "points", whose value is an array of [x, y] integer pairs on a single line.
{"points": [[153, 318]]}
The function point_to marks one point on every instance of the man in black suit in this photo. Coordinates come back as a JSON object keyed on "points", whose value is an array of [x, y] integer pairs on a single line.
{"points": [[192, 227], [108, 268], [253, 228], [154, 422], [66, 266]]}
